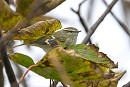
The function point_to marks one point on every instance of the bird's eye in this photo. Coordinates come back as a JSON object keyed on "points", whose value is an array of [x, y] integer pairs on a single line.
{"points": [[69, 31]]}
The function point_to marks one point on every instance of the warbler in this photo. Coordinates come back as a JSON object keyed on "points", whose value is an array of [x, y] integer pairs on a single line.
{"points": [[67, 36]]}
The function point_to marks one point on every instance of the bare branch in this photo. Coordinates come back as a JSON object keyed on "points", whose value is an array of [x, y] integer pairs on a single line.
{"points": [[1, 74], [54, 83], [64, 85], [6, 63], [80, 18], [120, 23], [79, 15], [93, 28], [127, 85]]}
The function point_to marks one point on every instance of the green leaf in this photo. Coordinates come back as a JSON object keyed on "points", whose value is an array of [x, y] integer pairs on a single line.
{"points": [[26, 61], [91, 53], [8, 18], [38, 30], [21, 59]]}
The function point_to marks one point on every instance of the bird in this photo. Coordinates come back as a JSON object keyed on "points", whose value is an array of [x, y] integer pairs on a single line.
{"points": [[67, 36]]}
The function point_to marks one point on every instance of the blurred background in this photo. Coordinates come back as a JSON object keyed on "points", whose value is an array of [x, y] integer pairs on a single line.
{"points": [[110, 36]]}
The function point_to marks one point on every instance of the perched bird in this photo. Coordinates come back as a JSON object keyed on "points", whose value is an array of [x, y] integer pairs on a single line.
{"points": [[67, 36]]}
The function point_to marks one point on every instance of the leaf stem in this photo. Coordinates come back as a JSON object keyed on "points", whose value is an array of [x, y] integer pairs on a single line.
{"points": [[79, 15], [26, 72], [15, 47]]}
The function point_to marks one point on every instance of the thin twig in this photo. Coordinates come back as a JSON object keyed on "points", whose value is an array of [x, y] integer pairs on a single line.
{"points": [[6, 63], [93, 28], [64, 85], [80, 18], [79, 15], [50, 82], [120, 23], [54, 83], [15, 47]]}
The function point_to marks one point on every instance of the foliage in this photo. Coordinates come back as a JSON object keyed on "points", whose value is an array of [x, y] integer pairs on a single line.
{"points": [[82, 70], [24, 25], [79, 65], [28, 14]]}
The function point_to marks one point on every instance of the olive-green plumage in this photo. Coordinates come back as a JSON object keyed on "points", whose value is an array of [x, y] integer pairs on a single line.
{"points": [[67, 36]]}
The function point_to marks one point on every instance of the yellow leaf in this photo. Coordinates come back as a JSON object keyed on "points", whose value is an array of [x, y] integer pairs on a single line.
{"points": [[38, 30]]}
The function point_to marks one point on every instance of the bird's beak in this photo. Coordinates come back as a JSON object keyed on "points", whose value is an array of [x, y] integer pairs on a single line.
{"points": [[79, 31]]}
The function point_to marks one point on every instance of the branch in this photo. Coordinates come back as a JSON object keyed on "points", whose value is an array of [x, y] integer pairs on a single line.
{"points": [[6, 63], [93, 28], [1, 74], [54, 83], [120, 23], [127, 84], [79, 15], [64, 85], [80, 18]]}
